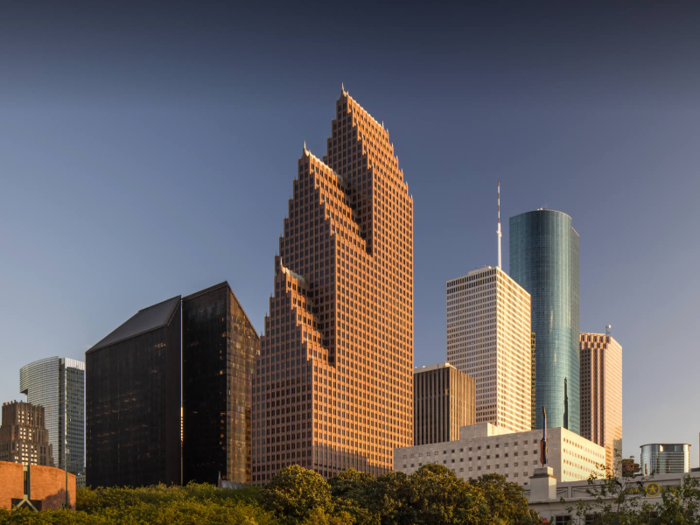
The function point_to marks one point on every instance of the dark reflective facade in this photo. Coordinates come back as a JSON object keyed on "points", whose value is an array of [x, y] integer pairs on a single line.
{"points": [[133, 401], [544, 260], [220, 346]]}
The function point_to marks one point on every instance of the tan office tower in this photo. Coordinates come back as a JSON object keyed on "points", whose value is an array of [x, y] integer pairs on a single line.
{"points": [[601, 395], [23, 435], [444, 401], [489, 338], [533, 362], [334, 383]]}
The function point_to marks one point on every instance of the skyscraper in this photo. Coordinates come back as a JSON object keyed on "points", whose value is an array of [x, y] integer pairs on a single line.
{"points": [[23, 435], [601, 395], [58, 385], [489, 338], [219, 348], [334, 383], [445, 401], [132, 386], [533, 361], [544, 261]]}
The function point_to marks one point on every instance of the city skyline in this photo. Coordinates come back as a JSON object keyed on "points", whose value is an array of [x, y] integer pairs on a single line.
{"points": [[607, 138]]}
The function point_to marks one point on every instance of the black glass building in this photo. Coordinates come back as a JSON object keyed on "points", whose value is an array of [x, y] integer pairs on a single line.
{"points": [[219, 349], [133, 401], [544, 260]]}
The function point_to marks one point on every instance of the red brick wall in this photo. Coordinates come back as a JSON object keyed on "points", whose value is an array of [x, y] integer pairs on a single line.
{"points": [[11, 483], [48, 485]]}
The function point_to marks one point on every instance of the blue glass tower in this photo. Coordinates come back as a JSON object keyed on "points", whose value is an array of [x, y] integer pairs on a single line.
{"points": [[544, 261]]}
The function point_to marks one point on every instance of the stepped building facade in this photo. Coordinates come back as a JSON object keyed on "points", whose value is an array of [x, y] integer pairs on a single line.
{"points": [[334, 381]]}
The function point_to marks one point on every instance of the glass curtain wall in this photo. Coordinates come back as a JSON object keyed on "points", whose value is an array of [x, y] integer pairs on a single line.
{"points": [[544, 260]]}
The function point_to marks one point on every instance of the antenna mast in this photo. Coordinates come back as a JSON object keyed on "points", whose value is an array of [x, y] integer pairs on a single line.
{"points": [[499, 225]]}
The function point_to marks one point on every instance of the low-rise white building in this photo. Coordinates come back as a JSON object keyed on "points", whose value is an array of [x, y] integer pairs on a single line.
{"points": [[487, 449], [552, 499]]}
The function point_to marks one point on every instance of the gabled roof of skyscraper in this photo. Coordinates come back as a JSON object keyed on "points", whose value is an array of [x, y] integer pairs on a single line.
{"points": [[144, 321], [228, 286]]}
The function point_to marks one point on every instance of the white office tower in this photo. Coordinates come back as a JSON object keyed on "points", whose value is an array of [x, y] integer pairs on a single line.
{"points": [[58, 385], [489, 338]]}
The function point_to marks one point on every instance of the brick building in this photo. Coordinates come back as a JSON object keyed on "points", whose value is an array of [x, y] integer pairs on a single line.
{"points": [[334, 382], [47, 486], [23, 435]]}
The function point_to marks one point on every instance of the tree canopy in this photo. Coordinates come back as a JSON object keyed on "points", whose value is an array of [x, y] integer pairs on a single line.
{"points": [[434, 495]]}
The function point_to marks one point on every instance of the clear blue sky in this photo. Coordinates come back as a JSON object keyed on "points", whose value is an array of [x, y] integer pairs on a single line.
{"points": [[148, 150]]}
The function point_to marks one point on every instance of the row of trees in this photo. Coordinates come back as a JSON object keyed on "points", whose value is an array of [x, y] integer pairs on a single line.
{"points": [[297, 496], [431, 496]]}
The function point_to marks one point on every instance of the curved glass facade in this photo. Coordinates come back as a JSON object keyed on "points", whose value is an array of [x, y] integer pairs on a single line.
{"points": [[39, 382], [544, 260], [665, 458], [58, 385]]}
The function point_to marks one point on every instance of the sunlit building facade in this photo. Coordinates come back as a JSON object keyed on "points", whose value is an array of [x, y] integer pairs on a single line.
{"points": [[601, 395], [334, 382], [484, 449], [23, 435], [544, 260], [489, 338]]}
